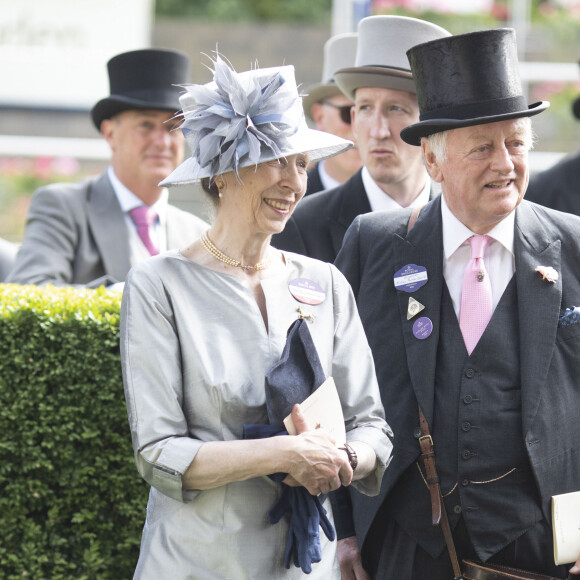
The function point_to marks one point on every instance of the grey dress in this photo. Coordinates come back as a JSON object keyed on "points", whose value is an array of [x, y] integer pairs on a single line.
{"points": [[195, 351]]}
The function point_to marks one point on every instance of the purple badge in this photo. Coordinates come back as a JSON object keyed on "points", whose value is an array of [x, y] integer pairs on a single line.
{"points": [[306, 291], [422, 328], [410, 278]]}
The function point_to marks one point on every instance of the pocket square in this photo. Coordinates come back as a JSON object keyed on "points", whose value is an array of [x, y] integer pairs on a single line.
{"points": [[570, 316]]}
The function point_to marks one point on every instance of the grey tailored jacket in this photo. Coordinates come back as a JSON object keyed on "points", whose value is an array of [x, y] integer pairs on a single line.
{"points": [[377, 245], [76, 234], [7, 256], [320, 221]]}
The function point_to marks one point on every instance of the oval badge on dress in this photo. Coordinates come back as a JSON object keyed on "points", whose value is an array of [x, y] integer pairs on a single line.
{"points": [[306, 291], [410, 278]]}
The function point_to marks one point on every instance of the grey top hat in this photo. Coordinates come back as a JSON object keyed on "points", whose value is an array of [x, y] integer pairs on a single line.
{"points": [[465, 80], [143, 79], [339, 52], [381, 56]]}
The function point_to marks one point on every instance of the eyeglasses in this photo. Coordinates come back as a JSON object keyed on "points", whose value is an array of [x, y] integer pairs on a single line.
{"points": [[344, 111]]}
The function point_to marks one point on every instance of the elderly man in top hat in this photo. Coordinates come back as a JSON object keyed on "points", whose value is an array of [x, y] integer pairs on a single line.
{"points": [[470, 311], [90, 233], [329, 109], [557, 186], [393, 175]]}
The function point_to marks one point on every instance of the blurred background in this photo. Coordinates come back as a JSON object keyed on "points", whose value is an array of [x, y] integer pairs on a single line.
{"points": [[53, 57]]}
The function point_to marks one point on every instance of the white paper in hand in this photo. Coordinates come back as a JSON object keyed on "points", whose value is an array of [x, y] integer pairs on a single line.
{"points": [[322, 409], [566, 527]]}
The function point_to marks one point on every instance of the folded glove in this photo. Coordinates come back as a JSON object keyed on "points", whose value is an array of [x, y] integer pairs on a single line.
{"points": [[306, 512], [306, 515]]}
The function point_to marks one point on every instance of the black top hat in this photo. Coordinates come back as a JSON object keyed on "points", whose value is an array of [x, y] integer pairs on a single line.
{"points": [[465, 80], [143, 79]]}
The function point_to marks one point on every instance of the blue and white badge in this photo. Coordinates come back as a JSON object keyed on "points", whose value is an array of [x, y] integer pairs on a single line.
{"points": [[410, 278], [422, 328], [306, 291]]}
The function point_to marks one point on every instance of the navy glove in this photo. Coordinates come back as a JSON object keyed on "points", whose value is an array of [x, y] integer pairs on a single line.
{"points": [[306, 512], [306, 515]]}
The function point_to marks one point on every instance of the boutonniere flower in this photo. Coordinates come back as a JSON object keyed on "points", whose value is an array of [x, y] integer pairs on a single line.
{"points": [[548, 273]]}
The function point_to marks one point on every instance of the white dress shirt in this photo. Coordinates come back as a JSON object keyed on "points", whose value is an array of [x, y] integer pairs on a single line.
{"points": [[128, 201], [380, 200], [499, 256], [328, 182]]}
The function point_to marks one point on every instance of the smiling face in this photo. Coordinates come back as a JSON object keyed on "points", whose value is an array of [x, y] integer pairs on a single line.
{"points": [[378, 117], [484, 174], [264, 198]]}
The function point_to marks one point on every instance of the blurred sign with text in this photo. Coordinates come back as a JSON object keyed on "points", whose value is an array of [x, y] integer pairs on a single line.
{"points": [[54, 53]]}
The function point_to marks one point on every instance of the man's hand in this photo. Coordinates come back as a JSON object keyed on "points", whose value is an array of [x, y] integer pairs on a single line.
{"points": [[350, 562], [576, 568]]}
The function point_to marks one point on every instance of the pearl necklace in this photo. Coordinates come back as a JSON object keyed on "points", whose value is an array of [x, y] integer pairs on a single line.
{"points": [[220, 256]]}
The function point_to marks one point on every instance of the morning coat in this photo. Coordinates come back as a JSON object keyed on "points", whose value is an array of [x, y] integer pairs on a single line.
{"points": [[377, 245], [77, 234]]}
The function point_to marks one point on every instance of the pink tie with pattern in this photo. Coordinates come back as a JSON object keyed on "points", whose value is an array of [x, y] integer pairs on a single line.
{"points": [[144, 217], [476, 304]]}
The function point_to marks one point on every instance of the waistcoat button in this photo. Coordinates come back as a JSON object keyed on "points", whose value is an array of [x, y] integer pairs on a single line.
{"points": [[468, 399], [465, 426], [469, 373]]}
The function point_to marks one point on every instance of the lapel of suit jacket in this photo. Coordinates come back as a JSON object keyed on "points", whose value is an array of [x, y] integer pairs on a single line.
{"points": [[422, 246], [351, 201], [109, 228], [538, 305]]}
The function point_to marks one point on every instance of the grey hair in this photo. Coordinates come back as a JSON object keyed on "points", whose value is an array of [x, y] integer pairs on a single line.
{"points": [[437, 142]]}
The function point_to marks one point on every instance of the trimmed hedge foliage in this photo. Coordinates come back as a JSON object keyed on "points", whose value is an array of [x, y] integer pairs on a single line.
{"points": [[72, 504]]}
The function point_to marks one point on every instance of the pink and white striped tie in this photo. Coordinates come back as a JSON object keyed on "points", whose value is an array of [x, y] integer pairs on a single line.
{"points": [[144, 217], [476, 300]]}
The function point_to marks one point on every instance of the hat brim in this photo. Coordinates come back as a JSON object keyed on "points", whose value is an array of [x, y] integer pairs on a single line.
{"points": [[111, 106], [381, 77], [317, 94], [318, 144], [413, 133]]}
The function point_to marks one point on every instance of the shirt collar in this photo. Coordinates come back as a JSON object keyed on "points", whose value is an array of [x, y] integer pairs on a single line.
{"points": [[455, 233], [379, 200], [328, 182], [128, 200]]}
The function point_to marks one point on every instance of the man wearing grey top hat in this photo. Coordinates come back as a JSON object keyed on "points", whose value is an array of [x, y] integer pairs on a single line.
{"points": [[470, 311], [90, 233], [393, 176], [329, 109]]}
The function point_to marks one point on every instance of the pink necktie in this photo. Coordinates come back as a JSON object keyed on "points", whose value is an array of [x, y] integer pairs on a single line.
{"points": [[144, 217], [476, 304]]}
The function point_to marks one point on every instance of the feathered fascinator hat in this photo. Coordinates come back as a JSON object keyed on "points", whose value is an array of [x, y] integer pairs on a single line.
{"points": [[243, 119]]}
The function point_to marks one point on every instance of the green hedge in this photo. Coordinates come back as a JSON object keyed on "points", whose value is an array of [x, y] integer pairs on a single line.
{"points": [[72, 504]]}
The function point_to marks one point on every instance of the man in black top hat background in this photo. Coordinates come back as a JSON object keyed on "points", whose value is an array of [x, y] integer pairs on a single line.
{"points": [[87, 233], [500, 397], [557, 186]]}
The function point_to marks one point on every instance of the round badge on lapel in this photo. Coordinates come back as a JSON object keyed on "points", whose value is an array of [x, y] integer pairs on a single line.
{"points": [[306, 291]]}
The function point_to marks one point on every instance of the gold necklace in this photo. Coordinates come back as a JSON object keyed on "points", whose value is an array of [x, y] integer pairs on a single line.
{"points": [[220, 256]]}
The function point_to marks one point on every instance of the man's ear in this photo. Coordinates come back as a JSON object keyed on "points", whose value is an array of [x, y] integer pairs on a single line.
{"points": [[431, 162], [316, 114], [107, 128]]}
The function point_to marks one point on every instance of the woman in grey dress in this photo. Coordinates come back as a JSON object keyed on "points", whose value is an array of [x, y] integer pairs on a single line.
{"points": [[201, 326]]}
